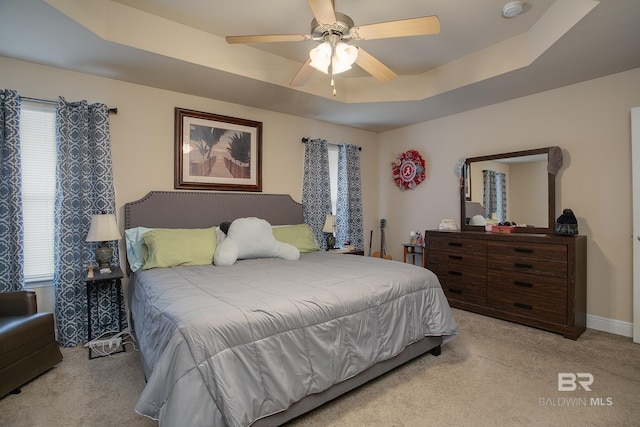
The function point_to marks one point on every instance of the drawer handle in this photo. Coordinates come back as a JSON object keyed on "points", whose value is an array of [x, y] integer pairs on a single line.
{"points": [[455, 244], [523, 250], [455, 291], [522, 265], [455, 273], [458, 257], [521, 305], [523, 284]]}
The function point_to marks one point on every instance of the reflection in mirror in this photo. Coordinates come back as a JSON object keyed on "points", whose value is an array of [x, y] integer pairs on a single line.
{"points": [[514, 187]]}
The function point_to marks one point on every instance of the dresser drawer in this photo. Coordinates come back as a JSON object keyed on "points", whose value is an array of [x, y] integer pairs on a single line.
{"points": [[456, 258], [465, 293], [462, 284], [542, 267], [543, 309], [528, 284], [540, 251], [442, 243], [454, 273]]}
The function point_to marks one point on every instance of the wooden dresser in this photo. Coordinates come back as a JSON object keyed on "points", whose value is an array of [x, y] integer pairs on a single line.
{"points": [[538, 280]]}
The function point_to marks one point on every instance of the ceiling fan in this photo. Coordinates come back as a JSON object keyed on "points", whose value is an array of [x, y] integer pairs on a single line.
{"points": [[332, 29]]}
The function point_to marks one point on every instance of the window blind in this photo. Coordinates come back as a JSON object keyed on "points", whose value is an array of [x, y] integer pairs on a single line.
{"points": [[38, 156]]}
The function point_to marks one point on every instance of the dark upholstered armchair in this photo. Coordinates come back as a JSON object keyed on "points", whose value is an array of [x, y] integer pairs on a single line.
{"points": [[28, 345]]}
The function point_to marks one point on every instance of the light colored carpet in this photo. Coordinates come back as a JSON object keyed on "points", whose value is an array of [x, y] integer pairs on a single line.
{"points": [[494, 373]]}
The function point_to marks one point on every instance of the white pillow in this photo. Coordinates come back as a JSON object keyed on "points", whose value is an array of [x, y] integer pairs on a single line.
{"points": [[226, 253], [252, 238]]}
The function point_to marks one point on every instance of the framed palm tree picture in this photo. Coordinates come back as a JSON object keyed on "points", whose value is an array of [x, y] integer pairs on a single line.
{"points": [[214, 152]]}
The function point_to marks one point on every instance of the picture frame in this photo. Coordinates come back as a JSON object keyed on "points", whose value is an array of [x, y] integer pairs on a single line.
{"points": [[216, 152]]}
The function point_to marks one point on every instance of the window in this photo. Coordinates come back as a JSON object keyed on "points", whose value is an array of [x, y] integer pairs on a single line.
{"points": [[38, 156]]}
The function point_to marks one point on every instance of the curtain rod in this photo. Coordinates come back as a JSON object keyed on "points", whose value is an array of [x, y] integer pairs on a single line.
{"points": [[328, 143], [50, 101]]}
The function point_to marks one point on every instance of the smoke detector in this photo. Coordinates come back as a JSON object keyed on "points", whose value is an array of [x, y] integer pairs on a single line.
{"points": [[512, 9]]}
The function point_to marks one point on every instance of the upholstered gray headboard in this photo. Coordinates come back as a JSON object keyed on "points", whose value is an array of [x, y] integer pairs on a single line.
{"points": [[189, 209]]}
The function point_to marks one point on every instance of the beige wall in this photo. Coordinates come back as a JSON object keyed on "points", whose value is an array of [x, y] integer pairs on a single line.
{"points": [[142, 132], [590, 121]]}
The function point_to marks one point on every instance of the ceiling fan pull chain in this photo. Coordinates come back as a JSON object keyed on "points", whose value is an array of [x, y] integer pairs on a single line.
{"points": [[333, 84], [333, 67]]}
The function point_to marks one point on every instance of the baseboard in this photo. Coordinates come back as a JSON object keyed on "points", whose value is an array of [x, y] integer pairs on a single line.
{"points": [[612, 326]]}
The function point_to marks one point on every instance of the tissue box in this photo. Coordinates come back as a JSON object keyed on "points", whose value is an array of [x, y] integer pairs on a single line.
{"points": [[566, 229]]}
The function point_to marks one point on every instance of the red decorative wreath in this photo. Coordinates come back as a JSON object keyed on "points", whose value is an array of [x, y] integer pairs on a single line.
{"points": [[408, 170]]}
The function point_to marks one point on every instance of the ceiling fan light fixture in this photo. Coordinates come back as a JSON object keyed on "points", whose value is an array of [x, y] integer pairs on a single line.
{"points": [[340, 58]]}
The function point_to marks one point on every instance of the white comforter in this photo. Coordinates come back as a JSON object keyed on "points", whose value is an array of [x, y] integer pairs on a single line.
{"points": [[229, 345]]}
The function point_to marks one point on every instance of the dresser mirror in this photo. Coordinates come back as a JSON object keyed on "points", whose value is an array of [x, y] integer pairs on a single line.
{"points": [[518, 187]]}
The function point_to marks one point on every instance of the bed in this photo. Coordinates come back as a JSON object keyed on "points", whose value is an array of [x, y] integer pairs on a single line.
{"points": [[266, 339]]}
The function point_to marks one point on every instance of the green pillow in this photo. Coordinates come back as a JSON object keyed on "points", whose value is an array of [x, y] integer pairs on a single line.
{"points": [[299, 235], [168, 247]]}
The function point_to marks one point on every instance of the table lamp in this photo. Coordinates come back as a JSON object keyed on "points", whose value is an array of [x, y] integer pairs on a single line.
{"points": [[103, 229], [330, 228]]}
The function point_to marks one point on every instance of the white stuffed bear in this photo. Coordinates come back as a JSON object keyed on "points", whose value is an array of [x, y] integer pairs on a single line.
{"points": [[252, 238]]}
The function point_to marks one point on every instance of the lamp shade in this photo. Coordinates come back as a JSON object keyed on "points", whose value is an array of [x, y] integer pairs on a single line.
{"points": [[103, 228], [343, 57], [321, 57], [329, 224]]}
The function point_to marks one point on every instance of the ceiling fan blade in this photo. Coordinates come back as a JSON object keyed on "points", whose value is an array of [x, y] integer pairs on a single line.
{"points": [[402, 28], [323, 11], [374, 67], [268, 38], [301, 77]]}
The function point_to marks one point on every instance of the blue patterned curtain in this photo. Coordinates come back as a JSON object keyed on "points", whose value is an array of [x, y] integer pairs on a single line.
{"points": [[494, 198], [84, 187], [349, 202], [11, 228], [316, 187]]}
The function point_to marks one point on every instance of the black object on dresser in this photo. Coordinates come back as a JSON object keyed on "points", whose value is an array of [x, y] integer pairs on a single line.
{"points": [[538, 280]]}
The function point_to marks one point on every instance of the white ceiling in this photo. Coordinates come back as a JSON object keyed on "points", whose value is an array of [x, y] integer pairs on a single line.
{"points": [[479, 57]]}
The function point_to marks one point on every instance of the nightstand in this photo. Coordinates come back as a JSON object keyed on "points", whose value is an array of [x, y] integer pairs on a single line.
{"points": [[347, 251], [413, 251], [112, 279]]}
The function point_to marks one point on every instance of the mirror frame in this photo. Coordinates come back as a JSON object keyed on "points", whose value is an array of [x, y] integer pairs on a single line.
{"points": [[551, 192]]}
